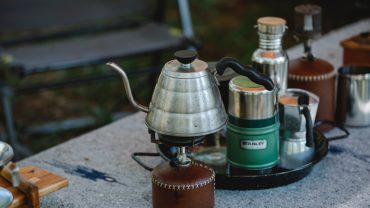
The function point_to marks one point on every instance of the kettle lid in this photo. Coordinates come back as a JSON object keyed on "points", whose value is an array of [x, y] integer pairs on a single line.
{"points": [[186, 65]]}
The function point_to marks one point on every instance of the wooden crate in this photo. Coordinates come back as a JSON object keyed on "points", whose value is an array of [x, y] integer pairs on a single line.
{"points": [[34, 180]]}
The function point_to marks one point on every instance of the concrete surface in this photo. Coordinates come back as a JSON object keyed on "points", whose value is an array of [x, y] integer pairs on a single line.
{"points": [[102, 173]]}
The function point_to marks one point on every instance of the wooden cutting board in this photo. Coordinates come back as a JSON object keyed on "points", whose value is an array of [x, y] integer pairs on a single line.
{"points": [[45, 181]]}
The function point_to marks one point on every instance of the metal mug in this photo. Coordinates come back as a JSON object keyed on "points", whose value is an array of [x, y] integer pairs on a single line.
{"points": [[353, 96]]}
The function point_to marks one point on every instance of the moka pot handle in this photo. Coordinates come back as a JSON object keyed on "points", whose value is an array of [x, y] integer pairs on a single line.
{"points": [[303, 100]]}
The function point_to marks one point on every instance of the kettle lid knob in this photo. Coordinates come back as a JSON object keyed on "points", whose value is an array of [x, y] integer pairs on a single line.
{"points": [[186, 56]]}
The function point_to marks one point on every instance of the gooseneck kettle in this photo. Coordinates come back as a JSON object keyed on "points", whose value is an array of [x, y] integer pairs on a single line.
{"points": [[185, 104]]}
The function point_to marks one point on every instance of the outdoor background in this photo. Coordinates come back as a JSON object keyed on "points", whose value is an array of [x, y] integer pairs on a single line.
{"points": [[224, 27]]}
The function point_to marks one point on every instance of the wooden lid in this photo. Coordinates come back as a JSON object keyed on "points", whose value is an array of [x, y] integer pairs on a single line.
{"points": [[358, 42], [271, 21]]}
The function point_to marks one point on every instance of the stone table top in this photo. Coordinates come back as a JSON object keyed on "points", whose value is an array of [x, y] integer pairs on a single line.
{"points": [[101, 172]]}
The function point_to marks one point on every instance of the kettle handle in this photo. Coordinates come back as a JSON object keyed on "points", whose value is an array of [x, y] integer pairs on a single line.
{"points": [[304, 100], [247, 71]]}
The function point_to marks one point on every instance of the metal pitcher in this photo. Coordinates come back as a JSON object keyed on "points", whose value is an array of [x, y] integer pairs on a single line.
{"points": [[297, 109]]}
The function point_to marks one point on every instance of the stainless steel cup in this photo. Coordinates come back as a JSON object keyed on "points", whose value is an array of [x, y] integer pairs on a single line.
{"points": [[353, 96]]}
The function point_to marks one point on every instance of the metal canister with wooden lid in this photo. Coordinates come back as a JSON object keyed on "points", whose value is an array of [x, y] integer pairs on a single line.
{"points": [[270, 58]]}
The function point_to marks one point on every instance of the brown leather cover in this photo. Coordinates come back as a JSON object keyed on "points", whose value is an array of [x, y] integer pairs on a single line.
{"points": [[183, 186], [356, 50], [316, 76]]}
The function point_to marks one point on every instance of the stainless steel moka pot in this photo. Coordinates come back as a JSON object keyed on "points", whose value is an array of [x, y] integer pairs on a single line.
{"points": [[297, 109]]}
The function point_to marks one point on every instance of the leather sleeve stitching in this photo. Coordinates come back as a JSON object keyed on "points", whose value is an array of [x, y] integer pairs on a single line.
{"points": [[161, 184], [312, 78]]}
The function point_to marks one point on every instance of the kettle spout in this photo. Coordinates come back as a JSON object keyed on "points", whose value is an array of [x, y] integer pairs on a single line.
{"points": [[127, 87]]}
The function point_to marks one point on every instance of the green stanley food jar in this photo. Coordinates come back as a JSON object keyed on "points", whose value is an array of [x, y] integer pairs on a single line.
{"points": [[253, 125]]}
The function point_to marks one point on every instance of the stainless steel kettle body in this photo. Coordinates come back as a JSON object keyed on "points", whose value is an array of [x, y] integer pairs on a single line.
{"points": [[186, 107], [185, 102]]}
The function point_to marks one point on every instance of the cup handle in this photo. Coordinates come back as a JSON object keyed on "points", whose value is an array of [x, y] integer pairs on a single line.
{"points": [[135, 156], [309, 127], [336, 125], [304, 101]]}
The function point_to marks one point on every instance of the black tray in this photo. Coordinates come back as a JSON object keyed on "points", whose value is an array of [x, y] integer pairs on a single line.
{"points": [[277, 177], [227, 178]]}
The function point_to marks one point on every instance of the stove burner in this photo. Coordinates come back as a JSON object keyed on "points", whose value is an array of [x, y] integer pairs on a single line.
{"points": [[174, 140]]}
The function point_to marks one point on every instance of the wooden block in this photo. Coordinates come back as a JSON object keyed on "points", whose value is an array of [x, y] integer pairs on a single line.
{"points": [[27, 188], [50, 183], [31, 171], [45, 182]]}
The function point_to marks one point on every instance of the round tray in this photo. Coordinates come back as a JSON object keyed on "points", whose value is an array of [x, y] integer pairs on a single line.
{"points": [[226, 178], [277, 177]]}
